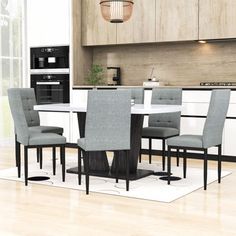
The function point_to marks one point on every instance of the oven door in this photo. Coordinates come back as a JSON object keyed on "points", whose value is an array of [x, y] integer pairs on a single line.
{"points": [[49, 92]]}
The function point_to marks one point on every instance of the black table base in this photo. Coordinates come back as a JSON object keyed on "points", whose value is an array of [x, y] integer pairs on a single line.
{"points": [[107, 174]]}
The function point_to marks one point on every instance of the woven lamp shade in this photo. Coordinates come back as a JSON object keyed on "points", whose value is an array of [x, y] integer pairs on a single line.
{"points": [[116, 11]]}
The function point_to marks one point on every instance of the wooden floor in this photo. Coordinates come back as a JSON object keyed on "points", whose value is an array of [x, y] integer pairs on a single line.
{"points": [[40, 210]]}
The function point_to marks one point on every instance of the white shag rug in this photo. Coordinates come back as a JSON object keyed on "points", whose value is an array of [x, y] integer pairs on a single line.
{"points": [[148, 188]]}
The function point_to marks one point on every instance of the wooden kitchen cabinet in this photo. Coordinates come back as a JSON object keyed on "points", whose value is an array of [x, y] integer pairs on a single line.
{"points": [[217, 19], [95, 30], [140, 28], [176, 20]]}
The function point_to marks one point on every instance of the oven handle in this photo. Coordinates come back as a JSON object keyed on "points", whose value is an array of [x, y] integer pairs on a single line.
{"points": [[47, 83]]}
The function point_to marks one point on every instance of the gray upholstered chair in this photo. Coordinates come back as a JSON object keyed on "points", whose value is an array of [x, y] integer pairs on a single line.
{"points": [[212, 134], [27, 96], [18, 100], [107, 128], [137, 94], [163, 126]]}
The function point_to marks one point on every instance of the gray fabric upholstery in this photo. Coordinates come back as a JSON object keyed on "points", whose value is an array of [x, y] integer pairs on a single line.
{"points": [[166, 96], [107, 121], [32, 117], [159, 132], [28, 102], [46, 139], [81, 143], [137, 94], [46, 129], [213, 129], [186, 141], [20, 109], [16, 106]]}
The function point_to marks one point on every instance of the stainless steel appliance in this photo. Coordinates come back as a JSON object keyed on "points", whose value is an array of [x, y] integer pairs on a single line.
{"points": [[50, 74]]}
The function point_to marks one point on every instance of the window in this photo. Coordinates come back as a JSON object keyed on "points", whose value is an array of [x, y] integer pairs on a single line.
{"points": [[11, 59]]}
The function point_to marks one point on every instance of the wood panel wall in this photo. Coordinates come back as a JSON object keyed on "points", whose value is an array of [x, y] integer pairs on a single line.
{"points": [[82, 56], [186, 63]]}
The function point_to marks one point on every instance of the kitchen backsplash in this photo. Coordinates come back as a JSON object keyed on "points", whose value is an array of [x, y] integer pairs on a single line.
{"points": [[186, 63]]}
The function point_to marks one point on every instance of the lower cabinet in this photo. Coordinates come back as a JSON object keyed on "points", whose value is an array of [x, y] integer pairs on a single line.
{"points": [[229, 138]]}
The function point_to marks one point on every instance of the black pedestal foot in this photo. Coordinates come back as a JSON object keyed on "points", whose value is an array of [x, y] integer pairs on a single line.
{"points": [[38, 178], [172, 178]]}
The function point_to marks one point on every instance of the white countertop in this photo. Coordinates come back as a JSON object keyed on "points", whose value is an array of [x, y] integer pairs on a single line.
{"points": [[149, 87]]}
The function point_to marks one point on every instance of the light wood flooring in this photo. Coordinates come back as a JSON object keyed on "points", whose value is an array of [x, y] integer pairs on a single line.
{"points": [[39, 210]]}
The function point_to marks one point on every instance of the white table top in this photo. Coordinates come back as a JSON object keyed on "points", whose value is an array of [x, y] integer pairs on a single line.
{"points": [[135, 109]]}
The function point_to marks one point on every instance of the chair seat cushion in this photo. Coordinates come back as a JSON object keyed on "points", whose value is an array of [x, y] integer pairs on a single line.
{"points": [[159, 132], [46, 129], [46, 139], [194, 141], [81, 143]]}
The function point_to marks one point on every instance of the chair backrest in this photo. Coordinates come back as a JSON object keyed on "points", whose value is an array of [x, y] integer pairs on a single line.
{"points": [[213, 128], [18, 114], [166, 96], [28, 99], [137, 94], [108, 120]]}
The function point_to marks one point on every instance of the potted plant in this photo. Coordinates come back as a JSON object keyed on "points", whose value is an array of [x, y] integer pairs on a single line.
{"points": [[95, 75]]}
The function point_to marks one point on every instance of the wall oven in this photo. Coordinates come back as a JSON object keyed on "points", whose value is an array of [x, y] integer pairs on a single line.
{"points": [[53, 88], [50, 74]]}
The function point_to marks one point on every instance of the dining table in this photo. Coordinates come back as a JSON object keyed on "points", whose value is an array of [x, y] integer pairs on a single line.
{"points": [[98, 162]]}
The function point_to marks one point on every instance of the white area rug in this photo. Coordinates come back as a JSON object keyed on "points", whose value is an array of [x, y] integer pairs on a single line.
{"points": [[148, 188]]}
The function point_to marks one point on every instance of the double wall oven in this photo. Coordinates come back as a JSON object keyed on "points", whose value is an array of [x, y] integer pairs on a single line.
{"points": [[50, 74]]}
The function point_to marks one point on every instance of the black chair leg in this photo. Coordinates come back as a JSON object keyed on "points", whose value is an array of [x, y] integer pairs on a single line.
{"points": [[79, 166], [219, 163], [38, 154], [26, 164], [177, 157], [169, 164], [140, 152], [185, 163], [205, 169], [127, 170], [41, 158], [17, 150], [150, 151], [163, 154], [86, 165], [54, 160], [117, 166], [18, 158], [62, 154]]}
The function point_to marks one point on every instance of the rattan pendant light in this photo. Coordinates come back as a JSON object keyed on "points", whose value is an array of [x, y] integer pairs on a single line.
{"points": [[116, 11]]}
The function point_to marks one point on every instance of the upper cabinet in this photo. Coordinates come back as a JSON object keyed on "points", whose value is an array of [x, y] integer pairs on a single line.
{"points": [[47, 26], [161, 21], [95, 30], [176, 20], [217, 19], [140, 28]]}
